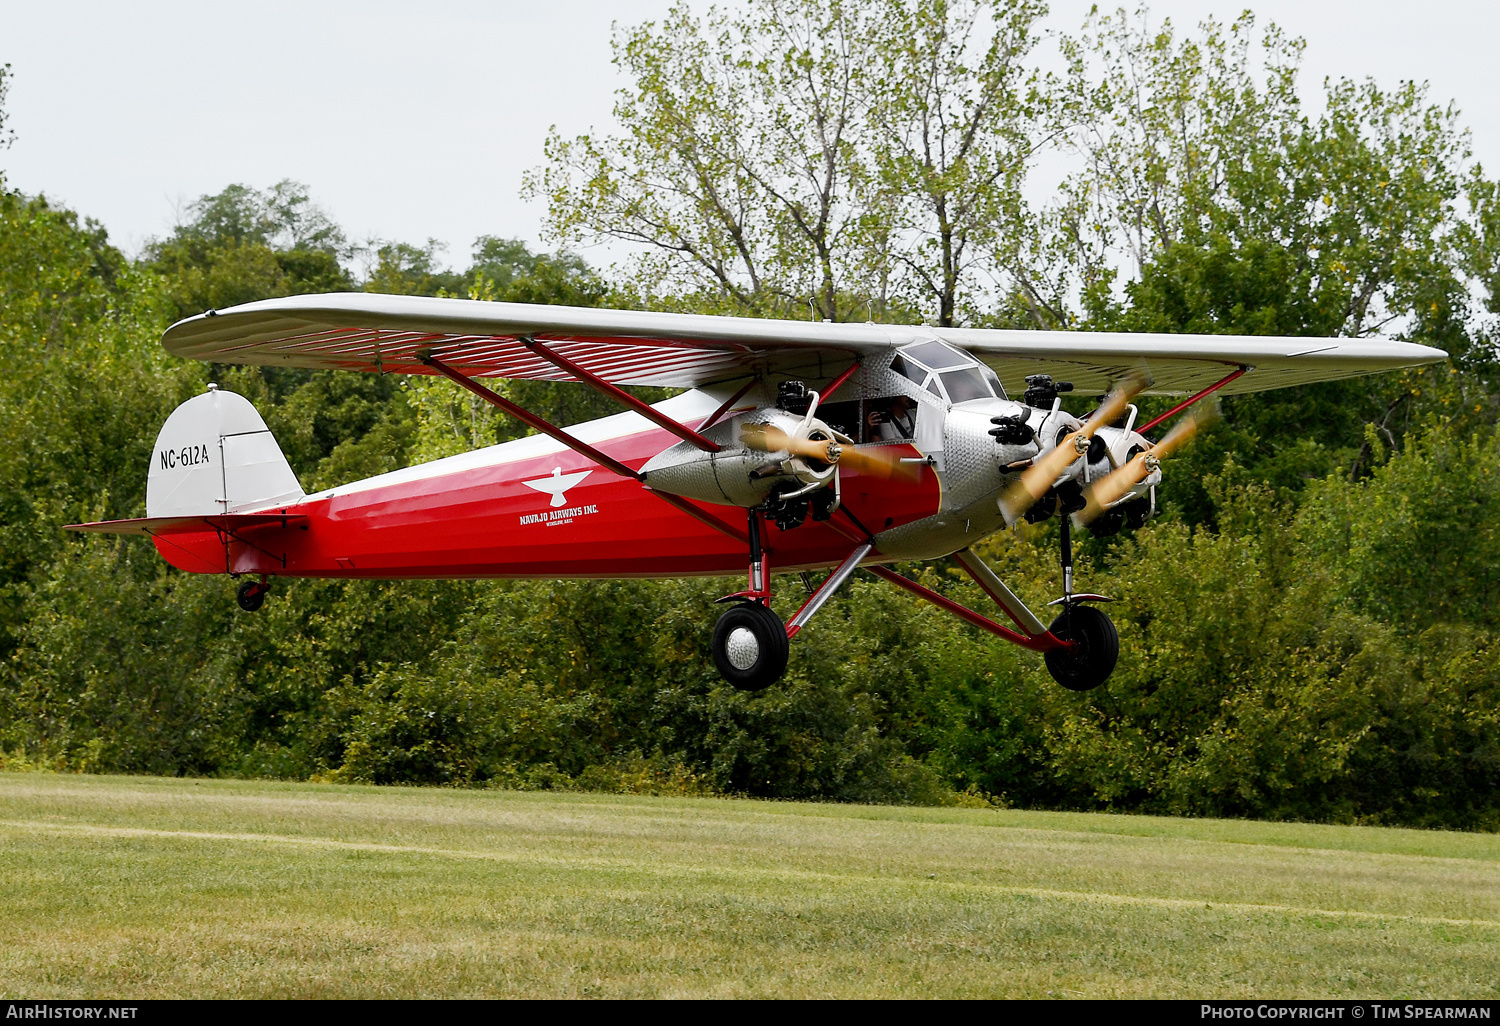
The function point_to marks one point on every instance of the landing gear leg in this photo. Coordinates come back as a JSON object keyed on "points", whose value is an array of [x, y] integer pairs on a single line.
{"points": [[1065, 556], [750, 642], [760, 581], [251, 595], [1095, 645]]}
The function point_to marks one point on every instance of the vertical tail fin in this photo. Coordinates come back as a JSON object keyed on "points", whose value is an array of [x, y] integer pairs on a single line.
{"points": [[216, 455]]}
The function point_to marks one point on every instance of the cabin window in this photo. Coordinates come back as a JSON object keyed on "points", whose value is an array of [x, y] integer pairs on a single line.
{"points": [[889, 419], [947, 372], [862, 419], [994, 380], [936, 356], [963, 385], [844, 417], [916, 375]]}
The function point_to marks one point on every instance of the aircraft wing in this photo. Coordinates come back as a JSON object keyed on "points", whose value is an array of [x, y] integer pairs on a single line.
{"points": [[393, 334], [1183, 364]]}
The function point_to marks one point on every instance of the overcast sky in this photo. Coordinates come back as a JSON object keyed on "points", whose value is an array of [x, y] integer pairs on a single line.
{"points": [[412, 121]]}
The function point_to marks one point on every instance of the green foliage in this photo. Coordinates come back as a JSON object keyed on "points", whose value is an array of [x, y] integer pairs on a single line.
{"points": [[81, 395], [1243, 215], [1435, 505], [1308, 632], [242, 245], [118, 669], [812, 157]]}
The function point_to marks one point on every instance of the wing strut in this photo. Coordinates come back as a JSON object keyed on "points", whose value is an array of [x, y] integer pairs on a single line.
{"points": [[724, 408], [839, 381], [995, 588], [580, 447], [1210, 390], [703, 516], [658, 418], [531, 419], [825, 590]]}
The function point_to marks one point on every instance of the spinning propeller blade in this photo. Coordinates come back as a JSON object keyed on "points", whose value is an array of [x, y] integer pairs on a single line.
{"points": [[770, 438], [1034, 481], [884, 462], [1113, 487]]}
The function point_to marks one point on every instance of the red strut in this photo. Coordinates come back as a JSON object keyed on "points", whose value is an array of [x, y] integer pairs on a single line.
{"points": [[531, 419], [658, 418], [1039, 643], [1188, 402]]}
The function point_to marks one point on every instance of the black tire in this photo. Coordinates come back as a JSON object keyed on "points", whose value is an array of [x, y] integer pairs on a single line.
{"points": [[750, 646], [1089, 665], [251, 595]]}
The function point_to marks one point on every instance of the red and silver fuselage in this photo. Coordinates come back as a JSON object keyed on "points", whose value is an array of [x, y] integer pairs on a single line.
{"points": [[534, 508]]}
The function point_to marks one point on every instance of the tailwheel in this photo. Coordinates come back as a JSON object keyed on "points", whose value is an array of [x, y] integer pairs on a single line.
{"points": [[251, 595], [750, 646], [1087, 664]]}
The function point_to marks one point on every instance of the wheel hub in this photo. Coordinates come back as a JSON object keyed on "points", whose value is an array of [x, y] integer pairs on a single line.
{"points": [[742, 648]]}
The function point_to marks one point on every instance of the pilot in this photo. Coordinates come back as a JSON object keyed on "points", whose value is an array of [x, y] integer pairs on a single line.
{"points": [[895, 424]]}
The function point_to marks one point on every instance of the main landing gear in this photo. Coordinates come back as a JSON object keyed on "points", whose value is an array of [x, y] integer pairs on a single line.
{"points": [[751, 644], [251, 595], [1094, 646], [750, 641]]}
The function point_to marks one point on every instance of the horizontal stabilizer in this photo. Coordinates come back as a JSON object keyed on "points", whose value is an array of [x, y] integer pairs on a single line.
{"points": [[229, 523]]}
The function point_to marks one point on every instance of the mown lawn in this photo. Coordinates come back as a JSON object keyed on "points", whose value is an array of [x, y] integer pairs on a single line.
{"points": [[144, 887]]}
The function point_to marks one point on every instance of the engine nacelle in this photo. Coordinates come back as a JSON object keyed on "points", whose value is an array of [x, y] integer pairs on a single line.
{"points": [[738, 475]]}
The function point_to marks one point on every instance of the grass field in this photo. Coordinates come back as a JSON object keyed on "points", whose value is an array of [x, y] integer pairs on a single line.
{"points": [[143, 887]]}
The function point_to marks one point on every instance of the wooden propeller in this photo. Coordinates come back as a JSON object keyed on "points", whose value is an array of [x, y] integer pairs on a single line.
{"points": [[1034, 481], [1112, 487], [884, 462]]}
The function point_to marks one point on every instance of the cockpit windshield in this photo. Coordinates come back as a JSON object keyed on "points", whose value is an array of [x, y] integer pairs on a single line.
{"points": [[946, 371]]}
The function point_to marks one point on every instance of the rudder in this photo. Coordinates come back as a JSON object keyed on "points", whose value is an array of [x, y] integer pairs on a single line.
{"points": [[216, 455]]}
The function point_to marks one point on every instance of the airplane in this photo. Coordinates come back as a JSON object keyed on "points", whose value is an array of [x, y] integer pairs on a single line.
{"points": [[794, 447]]}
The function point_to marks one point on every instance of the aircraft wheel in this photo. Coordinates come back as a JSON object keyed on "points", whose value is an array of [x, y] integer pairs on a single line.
{"points": [[251, 595], [750, 646], [1090, 664]]}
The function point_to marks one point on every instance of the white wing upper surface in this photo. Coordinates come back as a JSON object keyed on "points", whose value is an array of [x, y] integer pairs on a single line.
{"points": [[362, 331]]}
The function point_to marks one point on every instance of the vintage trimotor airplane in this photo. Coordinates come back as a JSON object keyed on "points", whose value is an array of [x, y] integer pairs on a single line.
{"points": [[797, 446]]}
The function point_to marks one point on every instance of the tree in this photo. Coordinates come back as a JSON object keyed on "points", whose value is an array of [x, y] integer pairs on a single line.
{"points": [[953, 107], [402, 269], [6, 135], [1182, 146], [817, 155], [241, 245], [1238, 213], [738, 159], [1160, 128]]}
